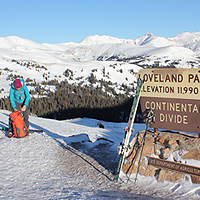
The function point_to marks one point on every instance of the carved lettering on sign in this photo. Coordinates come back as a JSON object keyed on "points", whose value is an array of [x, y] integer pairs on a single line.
{"points": [[174, 166], [174, 97]]}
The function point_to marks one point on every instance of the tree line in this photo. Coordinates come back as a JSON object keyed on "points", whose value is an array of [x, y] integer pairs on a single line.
{"points": [[72, 101]]}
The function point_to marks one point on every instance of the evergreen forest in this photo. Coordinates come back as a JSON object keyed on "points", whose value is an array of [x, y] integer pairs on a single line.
{"points": [[73, 101]]}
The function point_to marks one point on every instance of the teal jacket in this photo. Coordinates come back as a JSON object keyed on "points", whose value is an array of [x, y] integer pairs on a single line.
{"points": [[21, 96]]}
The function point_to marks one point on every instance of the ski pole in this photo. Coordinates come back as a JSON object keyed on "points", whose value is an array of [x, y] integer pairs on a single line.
{"points": [[150, 119]]}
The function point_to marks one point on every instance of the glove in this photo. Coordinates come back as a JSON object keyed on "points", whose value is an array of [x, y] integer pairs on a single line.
{"points": [[23, 108]]}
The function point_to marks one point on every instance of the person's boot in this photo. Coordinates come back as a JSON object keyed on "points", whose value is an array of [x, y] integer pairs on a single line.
{"points": [[10, 134]]}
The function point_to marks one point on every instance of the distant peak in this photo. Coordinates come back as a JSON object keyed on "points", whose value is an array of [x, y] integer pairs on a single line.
{"points": [[103, 39], [149, 34]]}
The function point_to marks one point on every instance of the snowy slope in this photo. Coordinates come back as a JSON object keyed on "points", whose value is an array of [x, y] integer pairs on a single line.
{"points": [[95, 46], [72, 159], [109, 58]]}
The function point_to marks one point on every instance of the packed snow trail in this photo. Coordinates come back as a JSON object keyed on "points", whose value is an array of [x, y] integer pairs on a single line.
{"points": [[38, 167]]}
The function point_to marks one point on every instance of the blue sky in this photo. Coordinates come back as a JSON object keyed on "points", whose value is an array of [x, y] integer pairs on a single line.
{"points": [[60, 21]]}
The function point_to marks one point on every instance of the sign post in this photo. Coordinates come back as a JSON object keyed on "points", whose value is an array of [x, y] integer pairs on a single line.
{"points": [[174, 97]]}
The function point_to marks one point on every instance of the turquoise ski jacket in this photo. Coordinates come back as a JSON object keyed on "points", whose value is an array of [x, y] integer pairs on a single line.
{"points": [[21, 96]]}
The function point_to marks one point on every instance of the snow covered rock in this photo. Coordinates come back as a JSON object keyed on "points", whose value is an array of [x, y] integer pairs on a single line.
{"points": [[171, 146]]}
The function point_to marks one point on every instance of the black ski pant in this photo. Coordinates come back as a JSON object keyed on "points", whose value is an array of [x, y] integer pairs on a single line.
{"points": [[24, 113]]}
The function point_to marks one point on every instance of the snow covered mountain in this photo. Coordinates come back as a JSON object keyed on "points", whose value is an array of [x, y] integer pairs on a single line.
{"points": [[109, 58]]}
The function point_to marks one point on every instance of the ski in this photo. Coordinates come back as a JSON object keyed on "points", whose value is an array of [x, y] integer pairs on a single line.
{"points": [[123, 148], [31, 130]]}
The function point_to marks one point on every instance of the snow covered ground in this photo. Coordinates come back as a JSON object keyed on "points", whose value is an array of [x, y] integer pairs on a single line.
{"points": [[74, 159]]}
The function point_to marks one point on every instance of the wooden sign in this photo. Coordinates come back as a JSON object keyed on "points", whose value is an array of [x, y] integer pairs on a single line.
{"points": [[174, 97], [187, 169]]}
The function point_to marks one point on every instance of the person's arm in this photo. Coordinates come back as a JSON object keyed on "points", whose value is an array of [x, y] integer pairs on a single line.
{"points": [[27, 96]]}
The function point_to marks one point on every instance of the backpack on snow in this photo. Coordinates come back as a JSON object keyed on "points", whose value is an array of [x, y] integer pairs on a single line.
{"points": [[18, 125]]}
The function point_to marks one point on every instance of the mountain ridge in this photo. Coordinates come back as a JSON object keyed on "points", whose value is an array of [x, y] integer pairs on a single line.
{"points": [[99, 39], [93, 47]]}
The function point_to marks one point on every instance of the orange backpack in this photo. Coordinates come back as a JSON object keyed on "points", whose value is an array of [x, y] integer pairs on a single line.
{"points": [[18, 124]]}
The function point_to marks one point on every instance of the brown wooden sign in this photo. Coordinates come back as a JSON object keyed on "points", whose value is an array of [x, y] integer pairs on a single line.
{"points": [[187, 169], [174, 97]]}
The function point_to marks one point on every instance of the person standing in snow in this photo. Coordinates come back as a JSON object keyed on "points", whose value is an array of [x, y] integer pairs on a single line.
{"points": [[19, 98]]}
